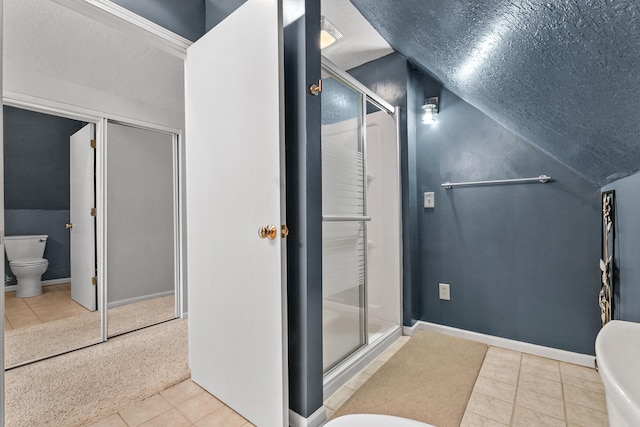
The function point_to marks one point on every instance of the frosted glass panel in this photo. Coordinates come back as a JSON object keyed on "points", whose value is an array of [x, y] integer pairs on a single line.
{"points": [[342, 172], [343, 257], [344, 228], [383, 231]]}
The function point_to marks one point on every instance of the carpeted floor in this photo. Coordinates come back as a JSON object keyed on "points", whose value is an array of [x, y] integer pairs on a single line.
{"points": [[82, 387], [429, 379], [42, 340]]}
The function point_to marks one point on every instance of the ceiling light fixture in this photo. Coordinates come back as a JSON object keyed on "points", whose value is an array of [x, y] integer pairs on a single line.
{"points": [[430, 111], [329, 34]]}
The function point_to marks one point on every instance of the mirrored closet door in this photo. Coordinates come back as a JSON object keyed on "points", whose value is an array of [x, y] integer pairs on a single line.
{"points": [[49, 185], [141, 227]]}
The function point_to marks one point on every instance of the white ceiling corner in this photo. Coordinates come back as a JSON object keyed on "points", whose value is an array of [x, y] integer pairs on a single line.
{"points": [[361, 42], [55, 42]]}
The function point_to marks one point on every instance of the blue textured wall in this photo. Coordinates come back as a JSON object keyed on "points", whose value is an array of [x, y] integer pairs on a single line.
{"points": [[562, 74], [36, 167], [627, 248], [183, 17], [189, 18], [522, 260], [36, 163], [339, 103], [217, 10], [304, 205]]}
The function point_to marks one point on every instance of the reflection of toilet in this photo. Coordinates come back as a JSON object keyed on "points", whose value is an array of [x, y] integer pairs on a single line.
{"points": [[617, 349], [26, 262], [372, 420]]}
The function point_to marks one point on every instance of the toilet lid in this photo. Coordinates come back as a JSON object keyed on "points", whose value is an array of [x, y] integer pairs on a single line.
{"points": [[373, 420], [28, 261]]}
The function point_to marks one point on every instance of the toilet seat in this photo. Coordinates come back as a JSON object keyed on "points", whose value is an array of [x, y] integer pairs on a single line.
{"points": [[28, 262], [373, 420]]}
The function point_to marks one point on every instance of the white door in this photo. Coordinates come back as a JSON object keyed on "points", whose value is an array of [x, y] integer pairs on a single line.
{"points": [[237, 320], [83, 260]]}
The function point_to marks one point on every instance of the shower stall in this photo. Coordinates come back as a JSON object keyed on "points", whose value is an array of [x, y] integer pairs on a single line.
{"points": [[361, 230]]}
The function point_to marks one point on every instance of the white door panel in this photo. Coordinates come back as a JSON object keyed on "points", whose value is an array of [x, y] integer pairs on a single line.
{"points": [[83, 259], [233, 172]]}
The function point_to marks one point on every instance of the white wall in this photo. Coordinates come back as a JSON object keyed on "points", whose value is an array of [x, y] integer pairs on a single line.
{"points": [[56, 54]]}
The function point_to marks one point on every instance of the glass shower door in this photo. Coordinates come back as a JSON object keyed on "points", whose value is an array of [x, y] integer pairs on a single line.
{"points": [[344, 233]]}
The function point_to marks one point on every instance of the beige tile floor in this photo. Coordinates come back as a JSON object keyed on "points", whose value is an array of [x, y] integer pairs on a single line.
{"points": [[54, 303], [515, 389], [512, 389], [183, 405]]}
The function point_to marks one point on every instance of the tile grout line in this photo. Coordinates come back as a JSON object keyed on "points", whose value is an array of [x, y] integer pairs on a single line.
{"points": [[564, 400], [515, 395]]}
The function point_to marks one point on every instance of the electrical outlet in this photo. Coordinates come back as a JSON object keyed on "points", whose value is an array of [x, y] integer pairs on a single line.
{"points": [[445, 291]]}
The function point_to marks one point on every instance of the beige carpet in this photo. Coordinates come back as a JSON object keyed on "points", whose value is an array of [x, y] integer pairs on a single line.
{"points": [[82, 387], [429, 379], [38, 341]]}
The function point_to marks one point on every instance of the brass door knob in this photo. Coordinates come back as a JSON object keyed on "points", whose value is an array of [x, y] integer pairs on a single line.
{"points": [[68, 226], [269, 231]]}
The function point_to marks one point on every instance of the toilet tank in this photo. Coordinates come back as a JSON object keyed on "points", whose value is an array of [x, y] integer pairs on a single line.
{"points": [[19, 247]]}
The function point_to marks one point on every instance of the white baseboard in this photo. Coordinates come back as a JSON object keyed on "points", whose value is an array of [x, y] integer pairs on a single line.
{"points": [[44, 283], [523, 347], [118, 303], [357, 362], [315, 420]]}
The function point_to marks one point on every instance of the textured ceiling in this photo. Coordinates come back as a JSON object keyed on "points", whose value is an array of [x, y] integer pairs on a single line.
{"points": [[563, 74]]}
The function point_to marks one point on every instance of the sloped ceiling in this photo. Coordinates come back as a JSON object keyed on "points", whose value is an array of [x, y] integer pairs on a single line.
{"points": [[563, 74]]}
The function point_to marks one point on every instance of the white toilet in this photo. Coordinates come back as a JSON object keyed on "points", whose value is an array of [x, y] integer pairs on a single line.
{"points": [[25, 255], [618, 356], [373, 420]]}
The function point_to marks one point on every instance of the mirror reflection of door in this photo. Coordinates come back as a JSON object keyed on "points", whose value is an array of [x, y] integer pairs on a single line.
{"points": [[141, 227], [49, 184], [82, 228]]}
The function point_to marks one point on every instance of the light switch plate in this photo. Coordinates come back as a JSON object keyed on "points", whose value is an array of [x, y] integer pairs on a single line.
{"points": [[429, 201]]}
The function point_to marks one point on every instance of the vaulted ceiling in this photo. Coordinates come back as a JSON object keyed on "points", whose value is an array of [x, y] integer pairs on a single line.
{"points": [[563, 74]]}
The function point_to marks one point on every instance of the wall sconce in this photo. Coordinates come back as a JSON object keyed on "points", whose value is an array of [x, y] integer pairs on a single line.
{"points": [[329, 34], [430, 111]]}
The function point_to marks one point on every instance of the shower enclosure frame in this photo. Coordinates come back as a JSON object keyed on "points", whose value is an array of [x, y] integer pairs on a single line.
{"points": [[339, 374]]}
